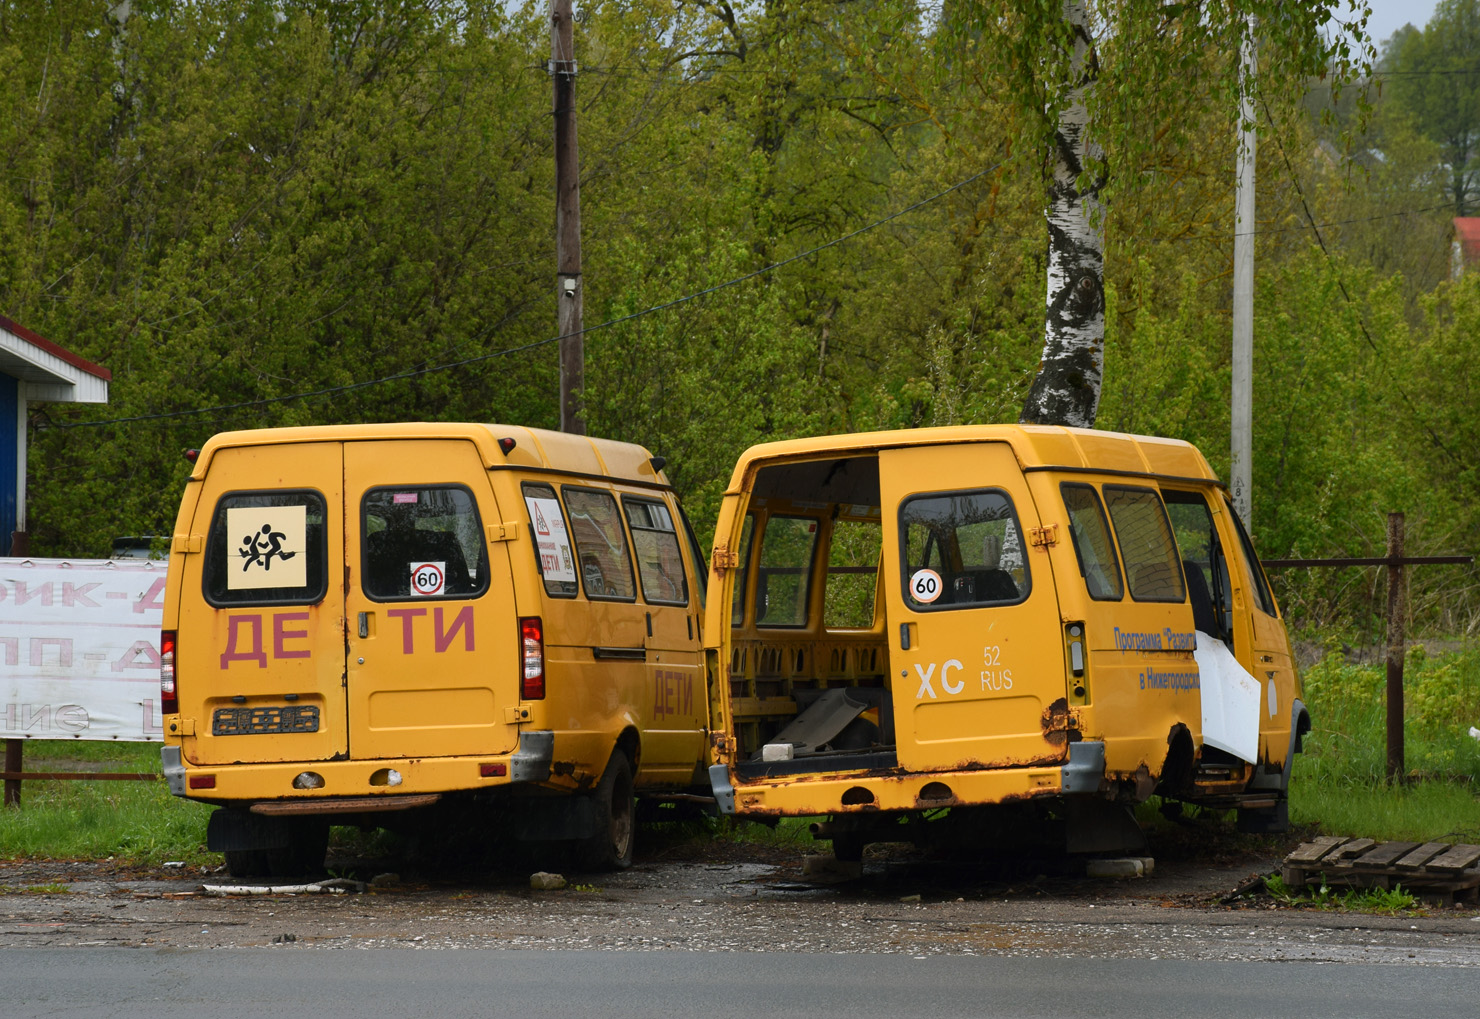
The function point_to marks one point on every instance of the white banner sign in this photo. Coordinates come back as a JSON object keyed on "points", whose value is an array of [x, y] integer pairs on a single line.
{"points": [[79, 649]]}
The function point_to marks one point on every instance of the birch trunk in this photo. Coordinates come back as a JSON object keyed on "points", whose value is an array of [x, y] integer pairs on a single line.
{"points": [[1066, 390]]}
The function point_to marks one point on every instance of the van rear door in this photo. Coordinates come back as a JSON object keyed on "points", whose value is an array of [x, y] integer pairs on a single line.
{"points": [[976, 652], [260, 658], [432, 639]]}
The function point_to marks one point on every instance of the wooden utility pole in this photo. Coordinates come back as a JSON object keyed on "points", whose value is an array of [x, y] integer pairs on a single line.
{"points": [[567, 221], [1242, 415], [1397, 647]]}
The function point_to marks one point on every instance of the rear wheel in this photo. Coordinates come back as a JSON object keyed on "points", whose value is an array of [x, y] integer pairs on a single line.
{"points": [[611, 847], [246, 862], [303, 856]]}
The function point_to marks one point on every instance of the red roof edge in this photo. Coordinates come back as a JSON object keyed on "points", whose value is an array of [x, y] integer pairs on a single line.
{"points": [[51, 348]]}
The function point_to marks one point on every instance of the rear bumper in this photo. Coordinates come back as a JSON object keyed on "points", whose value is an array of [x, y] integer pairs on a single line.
{"points": [[390, 778], [825, 793]]}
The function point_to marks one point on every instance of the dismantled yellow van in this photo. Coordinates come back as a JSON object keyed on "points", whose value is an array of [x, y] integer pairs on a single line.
{"points": [[365, 621], [1055, 620]]}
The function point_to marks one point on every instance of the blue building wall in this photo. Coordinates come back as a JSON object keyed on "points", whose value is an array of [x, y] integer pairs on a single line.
{"points": [[9, 451]]}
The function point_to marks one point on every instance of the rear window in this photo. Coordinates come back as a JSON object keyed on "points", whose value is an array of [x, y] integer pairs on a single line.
{"points": [[962, 549], [422, 542], [1152, 567], [267, 548]]}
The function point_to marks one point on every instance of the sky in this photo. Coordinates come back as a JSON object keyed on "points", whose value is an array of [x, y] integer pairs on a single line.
{"points": [[1390, 15]]}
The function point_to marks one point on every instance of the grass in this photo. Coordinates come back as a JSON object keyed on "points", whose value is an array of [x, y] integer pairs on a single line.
{"points": [[1340, 783], [1390, 901], [134, 821]]}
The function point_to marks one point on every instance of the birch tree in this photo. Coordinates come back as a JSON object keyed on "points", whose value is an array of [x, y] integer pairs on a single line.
{"points": [[1101, 90]]}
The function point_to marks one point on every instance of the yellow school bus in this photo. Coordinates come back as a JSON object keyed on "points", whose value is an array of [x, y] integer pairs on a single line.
{"points": [[367, 623], [1052, 623]]}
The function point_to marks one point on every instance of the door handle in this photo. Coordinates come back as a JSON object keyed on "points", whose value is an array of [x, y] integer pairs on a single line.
{"points": [[364, 624]]}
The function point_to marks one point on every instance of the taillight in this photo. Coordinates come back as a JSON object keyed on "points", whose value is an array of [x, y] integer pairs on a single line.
{"points": [[532, 642], [1076, 651], [169, 702]]}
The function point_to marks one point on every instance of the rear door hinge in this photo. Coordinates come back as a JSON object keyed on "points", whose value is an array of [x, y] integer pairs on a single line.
{"points": [[1043, 537], [506, 531], [724, 559], [187, 544]]}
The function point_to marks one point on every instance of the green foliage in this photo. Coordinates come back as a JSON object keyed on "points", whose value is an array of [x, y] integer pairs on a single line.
{"points": [[1387, 901]]}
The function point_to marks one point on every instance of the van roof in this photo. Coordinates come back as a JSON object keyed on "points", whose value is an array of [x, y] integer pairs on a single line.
{"points": [[535, 448], [1036, 447]]}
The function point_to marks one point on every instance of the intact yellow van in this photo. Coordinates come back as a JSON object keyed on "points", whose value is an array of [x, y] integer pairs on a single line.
{"points": [[1056, 619], [367, 620]]}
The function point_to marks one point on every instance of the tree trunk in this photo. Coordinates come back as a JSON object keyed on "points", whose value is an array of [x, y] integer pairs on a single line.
{"points": [[1066, 390]]}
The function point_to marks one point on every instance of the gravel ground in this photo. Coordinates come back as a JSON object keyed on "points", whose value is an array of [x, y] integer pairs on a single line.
{"points": [[721, 896]]}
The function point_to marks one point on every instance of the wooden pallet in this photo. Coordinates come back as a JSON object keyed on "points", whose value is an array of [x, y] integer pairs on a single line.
{"points": [[1439, 872]]}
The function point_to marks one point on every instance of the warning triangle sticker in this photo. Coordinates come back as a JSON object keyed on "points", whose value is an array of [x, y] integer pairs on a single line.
{"points": [[539, 521]]}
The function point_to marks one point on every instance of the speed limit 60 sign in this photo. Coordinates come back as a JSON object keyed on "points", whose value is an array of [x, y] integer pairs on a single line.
{"points": [[925, 586], [428, 579]]}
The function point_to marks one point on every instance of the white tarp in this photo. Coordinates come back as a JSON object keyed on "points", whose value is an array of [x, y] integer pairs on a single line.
{"points": [[79, 648], [1230, 700]]}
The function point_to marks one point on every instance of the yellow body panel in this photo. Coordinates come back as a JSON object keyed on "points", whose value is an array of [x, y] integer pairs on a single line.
{"points": [[425, 687], [1111, 675]]}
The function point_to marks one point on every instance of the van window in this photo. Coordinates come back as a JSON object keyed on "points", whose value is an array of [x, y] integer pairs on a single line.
{"points": [[784, 578], [655, 543], [971, 541], [422, 542], [601, 544], [267, 548], [701, 565], [852, 572], [1262, 593], [552, 549], [1090, 534], [742, 572], [1203, 562], [1151, 564]]}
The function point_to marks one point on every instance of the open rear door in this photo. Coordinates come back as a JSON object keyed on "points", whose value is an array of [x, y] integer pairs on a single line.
{"points": [[975, 648]]}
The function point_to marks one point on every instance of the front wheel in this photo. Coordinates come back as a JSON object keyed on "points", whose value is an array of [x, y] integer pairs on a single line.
{"points": [[611, 847]]}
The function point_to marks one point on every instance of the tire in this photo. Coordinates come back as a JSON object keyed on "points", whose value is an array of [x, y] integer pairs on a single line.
{"points": [[848, 847], [303, 856], [611, 847], [246, 862]]}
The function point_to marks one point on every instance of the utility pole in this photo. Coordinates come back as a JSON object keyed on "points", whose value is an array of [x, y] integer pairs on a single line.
{"points": [[1242, 416], [567, 221]]}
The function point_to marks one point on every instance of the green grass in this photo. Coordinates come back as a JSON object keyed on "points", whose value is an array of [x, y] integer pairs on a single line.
{"points": [[1340, 784], [1391, 901], [134, 821]]}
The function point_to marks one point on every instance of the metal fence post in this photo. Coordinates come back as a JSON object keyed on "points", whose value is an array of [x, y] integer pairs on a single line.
{"points": [[1397, 642]]}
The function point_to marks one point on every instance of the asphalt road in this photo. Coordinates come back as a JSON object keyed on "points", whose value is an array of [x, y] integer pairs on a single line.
{"points": [[198, 984]]}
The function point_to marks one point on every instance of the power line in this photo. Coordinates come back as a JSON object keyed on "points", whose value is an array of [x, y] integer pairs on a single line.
{"points": [[430, 369]]}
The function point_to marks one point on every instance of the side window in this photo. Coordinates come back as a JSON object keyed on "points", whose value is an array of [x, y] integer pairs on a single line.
{"points": [[422, 542], [1152, 567], [852, 572], [267, 548], [783, 579], [701, 563], [1203, 562], [1090, 533], [601, 544], [552, 549], [655, 543], [1261, 585], [742, 573], [963, 548]]}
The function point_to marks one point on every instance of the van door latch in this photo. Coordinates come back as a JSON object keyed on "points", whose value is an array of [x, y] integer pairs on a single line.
{"points": [[507, 531], [1043, 537]]}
